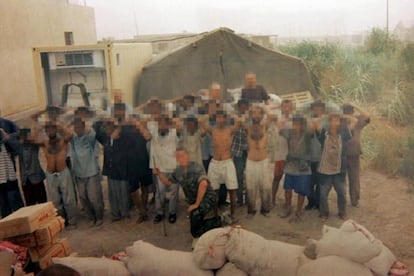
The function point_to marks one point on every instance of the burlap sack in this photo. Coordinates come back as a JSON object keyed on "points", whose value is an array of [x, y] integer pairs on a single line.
{"points": [[382, 263], [88, 266], [354, 246], [230, 269], [209, 251], [257, 256], [332, 266], [145, 259]]}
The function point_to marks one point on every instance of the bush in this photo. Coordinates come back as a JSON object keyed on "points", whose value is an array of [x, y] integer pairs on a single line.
{"points": [[384, 147], [407, 165], [319, 58], [380, 42], [407, 58]]}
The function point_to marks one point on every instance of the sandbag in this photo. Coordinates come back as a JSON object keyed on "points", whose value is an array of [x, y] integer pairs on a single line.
{"points": [[352, 226], [230, 269], [257, 256], [332, 266], [88, 266], [145, 259], [209, 251], [354, 246], [381, 264]]}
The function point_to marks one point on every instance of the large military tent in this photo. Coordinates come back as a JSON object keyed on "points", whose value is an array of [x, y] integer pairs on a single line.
{"points": [[224, 57]]}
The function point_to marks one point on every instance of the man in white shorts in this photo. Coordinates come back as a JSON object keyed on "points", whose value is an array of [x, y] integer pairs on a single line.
{"points": [[221, 168]]}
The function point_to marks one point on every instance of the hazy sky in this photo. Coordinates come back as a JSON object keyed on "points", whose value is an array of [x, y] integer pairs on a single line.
{"points": [[116, 18]]}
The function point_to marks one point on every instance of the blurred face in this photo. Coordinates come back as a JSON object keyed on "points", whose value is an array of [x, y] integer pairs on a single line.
{"points": [[297, 126], [286, 108], [82, 114], [251, 80], [51, 131], [79, 129], [191, 127], [318, 111], [188, 103], [212, 108], [334, 123], [118, 98], [215, 92], [53, 115], [243, 108], [24, 135], [155, 109], [120, 114], [220, 120], [182, 158], [257, 115], [163, 126], [109, 129]]}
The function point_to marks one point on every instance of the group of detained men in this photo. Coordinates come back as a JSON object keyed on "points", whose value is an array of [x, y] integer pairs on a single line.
{"points": [[209, 148]]}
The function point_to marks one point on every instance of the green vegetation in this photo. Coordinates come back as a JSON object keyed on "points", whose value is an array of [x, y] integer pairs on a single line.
{"points": [[379, 75]]}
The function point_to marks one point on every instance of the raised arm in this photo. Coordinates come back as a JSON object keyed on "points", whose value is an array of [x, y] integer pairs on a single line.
{"points": [[204, 125], [142, 128], [65, 131], [364, 114]]}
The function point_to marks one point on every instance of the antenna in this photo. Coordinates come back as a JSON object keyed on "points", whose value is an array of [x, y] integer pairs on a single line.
{"points": [[135, 17]]}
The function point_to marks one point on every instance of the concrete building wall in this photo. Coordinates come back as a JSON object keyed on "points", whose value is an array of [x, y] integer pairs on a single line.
{"points": [[127, 61], [25, 24]]}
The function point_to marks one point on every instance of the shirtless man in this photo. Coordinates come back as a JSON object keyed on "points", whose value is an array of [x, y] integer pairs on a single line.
{"points": [[258, 175], [221, 168], [59, 179]]}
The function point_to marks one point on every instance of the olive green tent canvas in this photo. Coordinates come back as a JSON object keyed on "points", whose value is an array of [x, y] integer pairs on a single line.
{"points": [[224, 57]]}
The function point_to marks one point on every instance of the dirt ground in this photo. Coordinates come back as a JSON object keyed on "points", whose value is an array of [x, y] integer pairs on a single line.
{"points": [[386, 209]]}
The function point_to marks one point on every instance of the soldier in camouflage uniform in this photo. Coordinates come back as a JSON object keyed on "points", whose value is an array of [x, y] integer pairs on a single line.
{"points": [[198, 191]]}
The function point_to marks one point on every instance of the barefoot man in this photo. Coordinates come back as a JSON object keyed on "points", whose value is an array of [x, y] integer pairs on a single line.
{"points": [[221, 168], [258, 175], [59, 178]]}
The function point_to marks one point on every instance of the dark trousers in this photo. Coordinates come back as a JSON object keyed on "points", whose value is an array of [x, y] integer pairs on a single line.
{"points": [[353, 165], [199, 225], [240, 164], [10, 198], [206, 163], [338, 182], [34, 193], [315, 186]]}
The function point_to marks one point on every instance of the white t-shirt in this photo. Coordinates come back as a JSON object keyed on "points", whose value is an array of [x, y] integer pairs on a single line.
{"points": [[162, 153]]}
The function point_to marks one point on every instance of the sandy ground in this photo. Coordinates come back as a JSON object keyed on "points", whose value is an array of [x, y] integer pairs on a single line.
{"points": [[387, 210]]}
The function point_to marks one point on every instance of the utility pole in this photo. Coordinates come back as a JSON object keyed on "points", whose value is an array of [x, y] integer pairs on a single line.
{"points": [[387, 17]]}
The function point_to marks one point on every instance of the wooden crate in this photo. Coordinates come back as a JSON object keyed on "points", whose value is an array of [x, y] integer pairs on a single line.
{"points": [[26, 220], [60, 249], [299, 98]]}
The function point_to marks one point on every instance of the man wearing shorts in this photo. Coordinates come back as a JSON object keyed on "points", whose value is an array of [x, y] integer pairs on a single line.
{"points": [[221, 168], [297, 169], [139, 173]]}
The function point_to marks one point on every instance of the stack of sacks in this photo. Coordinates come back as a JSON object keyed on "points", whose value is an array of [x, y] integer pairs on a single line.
{"points": [[144, 259], [349, 250], [36, 228], [247, 252]]}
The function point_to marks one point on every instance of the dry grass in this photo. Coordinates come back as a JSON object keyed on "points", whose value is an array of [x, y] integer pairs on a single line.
{"points": [[384, 146]]}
